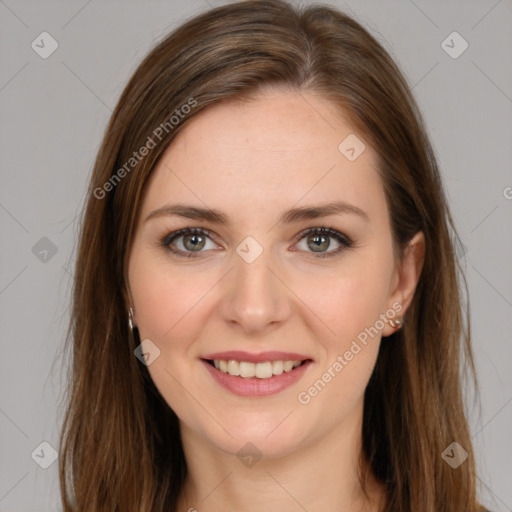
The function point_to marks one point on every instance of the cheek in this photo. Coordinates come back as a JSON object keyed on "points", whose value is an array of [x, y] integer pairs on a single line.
{"points": [[169, 312], [352, 302], [166, 299], [351, 307]]}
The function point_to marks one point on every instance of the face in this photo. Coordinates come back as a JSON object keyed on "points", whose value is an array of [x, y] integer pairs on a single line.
{"points": [[258, 290]]}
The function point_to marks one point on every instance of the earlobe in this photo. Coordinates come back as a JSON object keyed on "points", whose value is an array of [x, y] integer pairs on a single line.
{"points": [[407, 278]]}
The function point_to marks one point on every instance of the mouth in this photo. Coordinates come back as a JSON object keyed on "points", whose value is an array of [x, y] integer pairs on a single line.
{"points": [[256, 375], [251, 370]]}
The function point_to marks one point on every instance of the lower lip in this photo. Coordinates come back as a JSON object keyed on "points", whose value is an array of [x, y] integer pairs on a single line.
{"points": [[257, 387]]}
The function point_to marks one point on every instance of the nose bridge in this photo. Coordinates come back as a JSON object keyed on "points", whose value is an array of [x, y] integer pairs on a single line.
{"points": [[256, 297]]}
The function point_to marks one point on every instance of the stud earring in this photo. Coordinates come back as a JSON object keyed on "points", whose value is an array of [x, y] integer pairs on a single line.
{"points": [[396, 323]]}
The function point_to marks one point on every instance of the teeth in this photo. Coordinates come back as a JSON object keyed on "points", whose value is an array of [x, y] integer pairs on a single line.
{"points": [[277, 367], [259, 370], [247, 370], [263, 370], [233, 368], [287, 366]]}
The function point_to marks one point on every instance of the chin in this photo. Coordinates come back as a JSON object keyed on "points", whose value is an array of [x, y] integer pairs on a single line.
{"points": [[260, 435]]}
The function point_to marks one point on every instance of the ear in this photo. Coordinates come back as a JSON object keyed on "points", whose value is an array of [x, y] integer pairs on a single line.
{"points": [[406, 277]]}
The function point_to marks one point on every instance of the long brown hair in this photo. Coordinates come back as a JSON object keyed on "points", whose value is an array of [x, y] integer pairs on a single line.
{"points": [[120, 443]]}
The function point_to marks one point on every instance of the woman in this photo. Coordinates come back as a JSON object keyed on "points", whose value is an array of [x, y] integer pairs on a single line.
{"points": [[267, 313]]}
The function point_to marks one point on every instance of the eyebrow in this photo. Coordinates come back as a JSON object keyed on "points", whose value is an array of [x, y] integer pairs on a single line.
{"points": [[288, 217]]}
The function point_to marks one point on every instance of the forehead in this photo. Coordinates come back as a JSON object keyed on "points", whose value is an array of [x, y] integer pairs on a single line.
{"points": [[281, 149]]}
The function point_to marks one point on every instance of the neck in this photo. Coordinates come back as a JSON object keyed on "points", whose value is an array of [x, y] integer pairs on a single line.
{"points": [[322, 475]]}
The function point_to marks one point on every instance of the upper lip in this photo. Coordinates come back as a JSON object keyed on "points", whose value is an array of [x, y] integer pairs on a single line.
{"points": [[240, 355]]}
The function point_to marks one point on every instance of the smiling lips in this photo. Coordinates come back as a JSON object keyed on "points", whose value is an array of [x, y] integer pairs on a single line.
{"points": [[256, 374]]}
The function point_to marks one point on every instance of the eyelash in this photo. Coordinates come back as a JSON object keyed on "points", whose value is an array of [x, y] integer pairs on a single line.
{"points": [[345, 241]]}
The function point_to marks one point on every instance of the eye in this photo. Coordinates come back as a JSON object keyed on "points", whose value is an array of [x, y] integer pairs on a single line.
{"points": [[193, 240], [319, 240]]}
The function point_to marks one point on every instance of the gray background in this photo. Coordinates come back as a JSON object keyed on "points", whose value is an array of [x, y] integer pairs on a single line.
{"points": [[53, 114]]}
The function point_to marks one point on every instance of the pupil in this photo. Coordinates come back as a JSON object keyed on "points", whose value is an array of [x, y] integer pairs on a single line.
{"points": [[316, 238], [194, 244]]}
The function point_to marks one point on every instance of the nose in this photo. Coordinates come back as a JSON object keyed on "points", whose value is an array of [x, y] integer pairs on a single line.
{"points": [[256, 298]]}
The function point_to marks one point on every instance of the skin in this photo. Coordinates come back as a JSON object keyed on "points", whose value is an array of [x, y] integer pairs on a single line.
{"points": [[253, 161]]}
